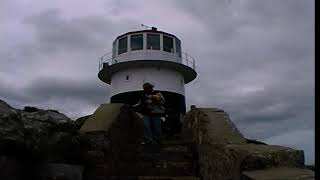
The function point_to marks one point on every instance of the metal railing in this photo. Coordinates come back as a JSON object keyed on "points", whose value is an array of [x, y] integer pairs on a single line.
{"points": [[186, 58]]}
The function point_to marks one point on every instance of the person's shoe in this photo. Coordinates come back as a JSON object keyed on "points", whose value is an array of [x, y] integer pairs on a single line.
{"points": [[147, 142]]}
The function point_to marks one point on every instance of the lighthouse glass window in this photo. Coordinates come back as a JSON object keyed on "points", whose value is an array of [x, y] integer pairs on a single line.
{"points": [[168, 44], [178, 47], [153, 41], [122, 45], [136, 42], [114, 50]]}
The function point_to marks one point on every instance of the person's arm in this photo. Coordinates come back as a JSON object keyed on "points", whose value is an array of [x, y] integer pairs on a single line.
{"points": [[137, 104], [160, 98]]}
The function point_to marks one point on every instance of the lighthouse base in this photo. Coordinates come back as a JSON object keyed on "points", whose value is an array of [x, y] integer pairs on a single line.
{"points": [[174, 102]]}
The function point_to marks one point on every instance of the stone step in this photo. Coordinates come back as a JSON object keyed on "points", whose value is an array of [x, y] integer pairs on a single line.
{"points": [[155, 178], [154, 168], [176, 142], [164, 148], [165, 156], [159, 152], [157, 156]]}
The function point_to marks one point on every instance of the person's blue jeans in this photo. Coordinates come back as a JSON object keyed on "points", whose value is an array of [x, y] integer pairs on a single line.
{"points": [[152, 129]]}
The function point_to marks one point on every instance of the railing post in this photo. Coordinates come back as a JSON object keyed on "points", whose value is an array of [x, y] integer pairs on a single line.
{"points": [[187, 58]]}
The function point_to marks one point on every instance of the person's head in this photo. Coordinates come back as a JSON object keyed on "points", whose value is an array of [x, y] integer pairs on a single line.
{"points": [[147, 87]]}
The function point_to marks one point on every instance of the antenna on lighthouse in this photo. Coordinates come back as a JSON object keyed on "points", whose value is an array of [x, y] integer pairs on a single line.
{"points": [[145, 26]]}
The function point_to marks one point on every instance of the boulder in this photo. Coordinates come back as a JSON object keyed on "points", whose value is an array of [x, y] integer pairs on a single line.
{"points": [[80, 121], [265, 156], [32, 133], [54, 171], [207, 125], [68, 148], [11, 168], [12, 130], [5, 107], [44, 129]]}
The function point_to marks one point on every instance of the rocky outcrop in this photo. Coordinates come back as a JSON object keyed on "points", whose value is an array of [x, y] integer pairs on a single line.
{"points": [[12, 129], [33, 137], [224, 153], [46, 144]]}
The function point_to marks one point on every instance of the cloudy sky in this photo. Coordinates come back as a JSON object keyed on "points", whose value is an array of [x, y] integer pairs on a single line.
{"points": [[254, 58]]}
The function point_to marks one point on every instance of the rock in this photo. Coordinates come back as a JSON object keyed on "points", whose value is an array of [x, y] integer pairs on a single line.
{"points": [[43, 119], [12, 130], [206, 125], [54, 171], [95, 157], [224, 152], [45, 128], [4, 107], [45, 144], [266, 156], [70, 149], [11, 168], [32, 133], [253, 141], [80, 121], [30, 109]]}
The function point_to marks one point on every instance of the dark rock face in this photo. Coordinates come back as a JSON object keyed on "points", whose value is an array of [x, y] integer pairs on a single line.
{"points": [[45, 128], [46, 144], [31, 137], [53, 171], [10, 167], [11, 129], [4, 107], [80, 121]]}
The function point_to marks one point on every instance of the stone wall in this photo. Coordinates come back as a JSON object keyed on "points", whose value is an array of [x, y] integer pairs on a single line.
{"points": [[114, 131], [224, 153]]}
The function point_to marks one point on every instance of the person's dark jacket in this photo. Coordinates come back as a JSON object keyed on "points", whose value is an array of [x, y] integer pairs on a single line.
{"points": [[150, 104]]}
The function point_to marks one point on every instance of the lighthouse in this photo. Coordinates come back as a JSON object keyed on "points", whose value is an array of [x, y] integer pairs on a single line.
{"points": [[150, 56]]}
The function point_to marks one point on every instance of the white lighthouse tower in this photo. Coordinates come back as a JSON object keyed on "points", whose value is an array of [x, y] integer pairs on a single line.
{"points": [[147, 56]]}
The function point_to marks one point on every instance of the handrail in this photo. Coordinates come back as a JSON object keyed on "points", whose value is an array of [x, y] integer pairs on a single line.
{"points": [[186, 58]]}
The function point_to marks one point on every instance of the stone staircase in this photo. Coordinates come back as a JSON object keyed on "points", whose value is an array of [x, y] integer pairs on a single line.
{"points": [[172, 160]]}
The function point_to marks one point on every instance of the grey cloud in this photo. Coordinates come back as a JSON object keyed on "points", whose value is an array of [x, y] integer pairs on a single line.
{"points": [[89, 91], [55, 33], [43, 90]]}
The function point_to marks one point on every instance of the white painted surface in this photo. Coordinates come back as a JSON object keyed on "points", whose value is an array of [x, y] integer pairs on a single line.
{"points": [[147, 55], [162, 79]]}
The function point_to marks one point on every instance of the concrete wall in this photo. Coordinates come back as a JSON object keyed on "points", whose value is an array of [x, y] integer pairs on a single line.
{"points": [[163, 79], [224, 153]]}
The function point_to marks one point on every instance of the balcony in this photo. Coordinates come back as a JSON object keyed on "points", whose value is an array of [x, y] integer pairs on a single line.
{"points": [[185, 58]]}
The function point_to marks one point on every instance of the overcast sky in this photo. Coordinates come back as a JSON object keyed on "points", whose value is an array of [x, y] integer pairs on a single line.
{"points": [[254, 58]]}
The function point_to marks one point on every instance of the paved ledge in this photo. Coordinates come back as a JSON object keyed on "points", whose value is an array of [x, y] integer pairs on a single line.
{"points": [[280, 173]]}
